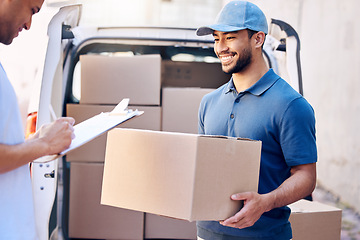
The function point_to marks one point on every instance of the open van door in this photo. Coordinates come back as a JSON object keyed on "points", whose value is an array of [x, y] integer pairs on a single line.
{"points": [[52, 88], [282, 51]]}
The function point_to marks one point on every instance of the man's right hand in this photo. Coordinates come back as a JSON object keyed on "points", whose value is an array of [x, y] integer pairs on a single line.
{"points": [[57, 136], [50, 139]]}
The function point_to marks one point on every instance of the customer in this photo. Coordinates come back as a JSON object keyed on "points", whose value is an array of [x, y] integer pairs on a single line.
{"points": [[16, 201], [257, 104]]}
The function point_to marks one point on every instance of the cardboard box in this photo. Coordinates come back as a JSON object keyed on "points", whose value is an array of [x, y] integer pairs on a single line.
{"points": [[109, 79], [94, 151], [175, 174], [193, 74], [315, 221], [159, 227], [180, 109], [88, 218]]}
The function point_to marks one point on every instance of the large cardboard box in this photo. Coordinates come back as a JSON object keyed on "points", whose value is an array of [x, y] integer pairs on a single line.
{"points": [[109, 79], [94, 151], [88, 218], [193, 74], [315, 221], [159, 227], [184, 176], [180, 108]]}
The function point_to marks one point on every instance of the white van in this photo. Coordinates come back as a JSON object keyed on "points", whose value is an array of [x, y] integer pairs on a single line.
{"points": [[67, 190]]}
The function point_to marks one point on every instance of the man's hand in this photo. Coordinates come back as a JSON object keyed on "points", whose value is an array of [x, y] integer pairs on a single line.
{"points": [[254, 206], [57, 135], [50, 139], [300, 184]]}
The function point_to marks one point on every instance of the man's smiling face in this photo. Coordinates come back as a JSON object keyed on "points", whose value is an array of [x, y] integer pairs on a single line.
{"points": [[233, 49]]}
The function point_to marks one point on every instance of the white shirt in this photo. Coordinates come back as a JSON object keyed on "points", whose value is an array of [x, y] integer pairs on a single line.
{"points": [[17, 221]]}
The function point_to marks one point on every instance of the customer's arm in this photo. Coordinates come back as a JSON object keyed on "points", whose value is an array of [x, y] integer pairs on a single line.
{"points": [[300, 184], [49, 139]]}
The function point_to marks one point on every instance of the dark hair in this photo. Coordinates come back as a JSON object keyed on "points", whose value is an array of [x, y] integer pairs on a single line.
{"points": [[251, 33]]}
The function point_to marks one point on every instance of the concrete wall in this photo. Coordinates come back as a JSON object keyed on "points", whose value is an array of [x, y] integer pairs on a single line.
{"points": [[328, 31]]}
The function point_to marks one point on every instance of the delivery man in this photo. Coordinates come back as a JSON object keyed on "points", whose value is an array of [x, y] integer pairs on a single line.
{"points": [[258, 104]]}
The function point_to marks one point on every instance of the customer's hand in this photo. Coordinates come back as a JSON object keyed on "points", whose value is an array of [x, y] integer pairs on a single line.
{"points": [[57, 135]]}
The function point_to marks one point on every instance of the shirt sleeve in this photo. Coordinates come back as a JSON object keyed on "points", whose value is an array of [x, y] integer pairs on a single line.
{"points": [[297, 133]]}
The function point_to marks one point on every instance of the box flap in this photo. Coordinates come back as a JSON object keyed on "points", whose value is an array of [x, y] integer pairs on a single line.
{"points": [[305, 206], [228, 137]]}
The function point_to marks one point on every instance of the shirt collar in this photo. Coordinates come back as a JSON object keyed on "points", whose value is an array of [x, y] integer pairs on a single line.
{"points": [[230, 86], [261, 86]]}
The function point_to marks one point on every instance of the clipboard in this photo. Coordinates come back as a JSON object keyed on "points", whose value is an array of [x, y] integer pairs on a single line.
{"points": [[95, 126]]}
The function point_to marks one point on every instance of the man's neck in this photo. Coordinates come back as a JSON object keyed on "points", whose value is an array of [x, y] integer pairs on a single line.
{"points": [[245, 79]]}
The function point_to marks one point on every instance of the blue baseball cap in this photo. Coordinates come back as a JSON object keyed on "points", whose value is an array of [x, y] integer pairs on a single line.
{"points": [[236, 16]]}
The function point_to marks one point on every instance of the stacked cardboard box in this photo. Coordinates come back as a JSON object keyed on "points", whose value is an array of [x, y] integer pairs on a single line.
{"points": [[193, 75], [315, 221], [180, 108], [105, 81], [88, 218], [159, 227]]}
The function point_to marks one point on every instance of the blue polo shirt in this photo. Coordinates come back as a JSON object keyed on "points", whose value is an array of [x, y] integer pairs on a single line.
{"points": [[273, 112]]}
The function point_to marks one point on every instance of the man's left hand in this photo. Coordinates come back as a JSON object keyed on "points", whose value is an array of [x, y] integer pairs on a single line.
{"points": [[254, 206]]}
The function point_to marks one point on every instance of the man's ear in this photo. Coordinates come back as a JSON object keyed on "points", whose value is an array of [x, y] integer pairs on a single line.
{"points": [[259, 39]]}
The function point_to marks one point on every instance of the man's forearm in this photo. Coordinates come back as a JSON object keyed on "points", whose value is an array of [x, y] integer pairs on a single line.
{"points": [[14, 156], [300, 184]]}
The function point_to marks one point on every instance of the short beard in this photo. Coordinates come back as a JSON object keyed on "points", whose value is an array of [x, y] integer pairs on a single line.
{"points": [[242, 63]]}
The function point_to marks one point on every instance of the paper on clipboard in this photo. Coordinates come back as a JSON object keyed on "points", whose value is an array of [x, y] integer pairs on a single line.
{"points": [[95, 126]]}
